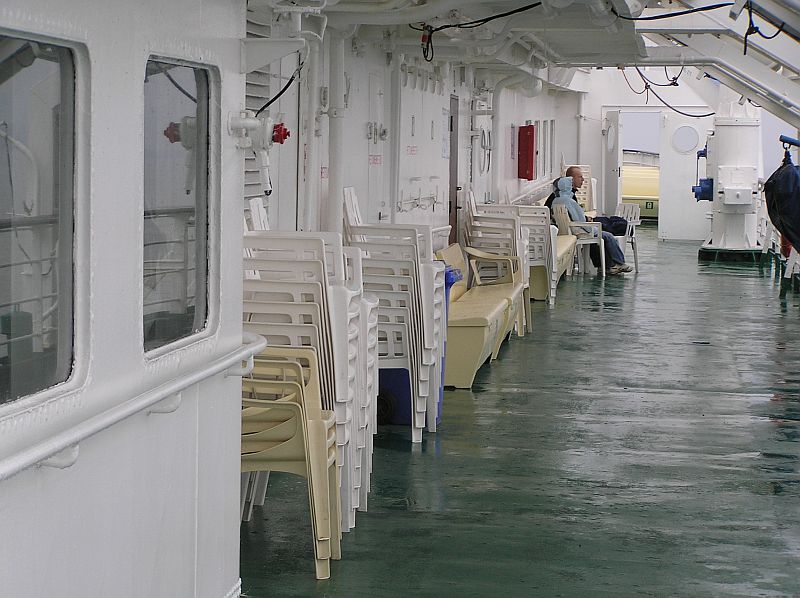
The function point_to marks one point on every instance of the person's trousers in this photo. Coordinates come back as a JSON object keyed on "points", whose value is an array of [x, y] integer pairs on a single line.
{"points": [[614, 253]]}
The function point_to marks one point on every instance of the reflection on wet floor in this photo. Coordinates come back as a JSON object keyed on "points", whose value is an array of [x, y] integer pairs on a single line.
{"points": [[645, 440]]}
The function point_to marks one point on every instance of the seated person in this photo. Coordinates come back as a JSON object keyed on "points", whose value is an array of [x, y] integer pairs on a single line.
{"points": [[615, 257], [612, 224]]}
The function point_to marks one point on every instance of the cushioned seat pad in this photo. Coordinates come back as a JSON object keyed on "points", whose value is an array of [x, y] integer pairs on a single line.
{"points": [[476, 313]]}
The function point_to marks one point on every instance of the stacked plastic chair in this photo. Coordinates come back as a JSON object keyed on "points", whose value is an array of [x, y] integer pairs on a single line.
{"points": [[285, 429], [398, 267], [500, 233], [542, 239], [299, 292]]}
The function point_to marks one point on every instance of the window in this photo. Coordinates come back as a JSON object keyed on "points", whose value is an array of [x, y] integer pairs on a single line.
{"points": [[37, 87], [175, 267]]}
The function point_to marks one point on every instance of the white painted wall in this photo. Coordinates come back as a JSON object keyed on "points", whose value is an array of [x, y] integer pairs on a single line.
{"points": [[150, 506], [607, 90], [423, 162], [680, 215], [640, 131], [516, 110]]}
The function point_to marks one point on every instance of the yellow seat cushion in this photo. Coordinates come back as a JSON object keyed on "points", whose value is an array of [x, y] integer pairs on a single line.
{"points": [[472, 313], [493, 292]]}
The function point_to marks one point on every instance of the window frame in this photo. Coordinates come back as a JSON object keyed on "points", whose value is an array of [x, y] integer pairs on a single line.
{"points": [[213, 206], [38, 404]]}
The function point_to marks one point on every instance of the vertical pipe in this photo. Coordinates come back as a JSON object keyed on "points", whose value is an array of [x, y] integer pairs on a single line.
{"points": [[581, 117], [334, 212], [395, 108], [308, 207], [497, 126]]}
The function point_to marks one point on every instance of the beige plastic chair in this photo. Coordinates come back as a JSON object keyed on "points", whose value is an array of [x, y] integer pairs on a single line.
{"points": [[584, 238], [279, 433]]}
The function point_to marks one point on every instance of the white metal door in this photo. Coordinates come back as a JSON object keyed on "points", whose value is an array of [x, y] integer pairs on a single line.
{"points": [[612, 162], [680, 216]]}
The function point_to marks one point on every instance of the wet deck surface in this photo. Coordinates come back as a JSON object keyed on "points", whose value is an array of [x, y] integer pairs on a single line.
{"points": [[645, 440]]}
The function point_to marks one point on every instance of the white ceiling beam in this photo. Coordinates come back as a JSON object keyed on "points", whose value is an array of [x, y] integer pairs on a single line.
{"points": [[782, 49], [725, 63], [777, 12]]}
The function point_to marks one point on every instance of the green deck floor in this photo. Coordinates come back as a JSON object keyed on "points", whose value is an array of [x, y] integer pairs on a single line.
{"points": [[644, 441]]}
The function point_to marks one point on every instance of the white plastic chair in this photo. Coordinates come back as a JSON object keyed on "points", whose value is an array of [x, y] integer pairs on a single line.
{"points": [[584, 238], [632, 213]]}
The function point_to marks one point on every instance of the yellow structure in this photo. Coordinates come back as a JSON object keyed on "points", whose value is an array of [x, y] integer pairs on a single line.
{"points": [[640, 186], [481, 317]]}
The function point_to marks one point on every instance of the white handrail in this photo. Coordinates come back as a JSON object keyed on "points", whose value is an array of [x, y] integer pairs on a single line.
{"points": [[71, 437]]}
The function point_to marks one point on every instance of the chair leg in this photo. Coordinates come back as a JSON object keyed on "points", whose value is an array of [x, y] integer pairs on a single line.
{"points": [[262, 481], [323, 568], [635, 254], [602, 245], [336, 515], [526, 297], [244, 486]]}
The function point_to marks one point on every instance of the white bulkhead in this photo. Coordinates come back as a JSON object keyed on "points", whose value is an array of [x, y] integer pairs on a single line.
{"points": [[120, 454], [140, 505]]}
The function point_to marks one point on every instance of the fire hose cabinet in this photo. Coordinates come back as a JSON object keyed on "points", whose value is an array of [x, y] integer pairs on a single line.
{"points": [[526, 152]]}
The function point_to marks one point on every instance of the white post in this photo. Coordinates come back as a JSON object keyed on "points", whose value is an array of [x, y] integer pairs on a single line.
{"points": [[497, 128], [308, 208], [334, 209]]}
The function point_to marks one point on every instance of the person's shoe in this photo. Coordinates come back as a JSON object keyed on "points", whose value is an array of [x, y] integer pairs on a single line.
{"points": [[620, 268]]}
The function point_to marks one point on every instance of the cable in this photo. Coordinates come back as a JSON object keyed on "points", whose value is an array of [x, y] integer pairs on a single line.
{"points": [[676, 77], [672, 83], [680, 111], [428, 31], [638, 93], [282, 91], [178, 85], [752, 28], [670, 15]]}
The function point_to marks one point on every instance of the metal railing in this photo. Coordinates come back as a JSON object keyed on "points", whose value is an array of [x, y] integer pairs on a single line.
{"points": [[61, 450]]}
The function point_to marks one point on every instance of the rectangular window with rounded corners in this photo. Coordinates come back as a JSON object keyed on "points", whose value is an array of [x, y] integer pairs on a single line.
{"points": [[37, 109], [175, 240]]}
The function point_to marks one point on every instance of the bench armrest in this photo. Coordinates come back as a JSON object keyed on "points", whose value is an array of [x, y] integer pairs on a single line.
{"points": [[513, 262], [580, 226]]}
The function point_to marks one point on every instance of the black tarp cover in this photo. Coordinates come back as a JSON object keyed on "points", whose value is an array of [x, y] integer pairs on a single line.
{"points": [[782, 190]]}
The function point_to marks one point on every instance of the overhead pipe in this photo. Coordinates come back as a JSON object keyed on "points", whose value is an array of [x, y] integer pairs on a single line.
{"points": [[496, 38], [417, 14], [368, 8], [693, 59]]}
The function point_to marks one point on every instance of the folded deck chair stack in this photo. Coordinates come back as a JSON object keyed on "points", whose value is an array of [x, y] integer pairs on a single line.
{"points": [[500, 233], [299, 291], [398, 267]]}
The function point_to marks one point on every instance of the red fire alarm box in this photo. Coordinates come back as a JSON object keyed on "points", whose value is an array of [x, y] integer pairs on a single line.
{"points": [[526, 152]]}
